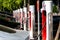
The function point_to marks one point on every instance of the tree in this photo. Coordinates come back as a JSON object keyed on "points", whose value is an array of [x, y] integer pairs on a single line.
{"points": [[55, 10], [10, 5], [1, 1]]}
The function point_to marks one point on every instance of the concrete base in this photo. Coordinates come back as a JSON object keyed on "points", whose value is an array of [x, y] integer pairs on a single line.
{"points": [[32, 39], [19, 35]]}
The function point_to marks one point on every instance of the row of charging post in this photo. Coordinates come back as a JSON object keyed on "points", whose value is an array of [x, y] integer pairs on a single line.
{"points": [[23, 16]]}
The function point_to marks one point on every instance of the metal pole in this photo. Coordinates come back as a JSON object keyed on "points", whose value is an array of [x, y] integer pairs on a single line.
{"points": [[24, 3], [38, 26], [38, 19], [28, 12], [28, 5], [25, 15]]}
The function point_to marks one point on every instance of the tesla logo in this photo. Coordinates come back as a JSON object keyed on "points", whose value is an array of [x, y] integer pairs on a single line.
{"points": [[43, 5]]}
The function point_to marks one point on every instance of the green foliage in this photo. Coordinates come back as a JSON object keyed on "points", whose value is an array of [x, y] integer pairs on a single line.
{"points": [[10, 4], [55, 10]]}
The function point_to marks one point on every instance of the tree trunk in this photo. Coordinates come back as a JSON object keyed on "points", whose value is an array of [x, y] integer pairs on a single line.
{"points": [[57, 34]]}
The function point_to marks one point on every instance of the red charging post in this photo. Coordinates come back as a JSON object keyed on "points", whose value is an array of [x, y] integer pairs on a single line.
{"points": [[43, 24], [46, 33], [29, 19]]}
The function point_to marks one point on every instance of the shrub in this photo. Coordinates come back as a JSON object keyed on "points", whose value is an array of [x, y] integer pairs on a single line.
{"points": [[55, 10]]}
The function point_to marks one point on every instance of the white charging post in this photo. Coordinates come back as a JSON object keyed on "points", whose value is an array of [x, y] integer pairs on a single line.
{"points": [[21, 17], [25, 18], [48, 6], [31, 19]]}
